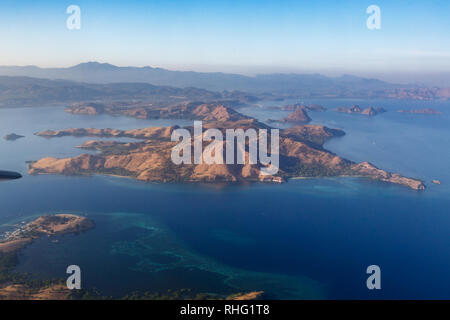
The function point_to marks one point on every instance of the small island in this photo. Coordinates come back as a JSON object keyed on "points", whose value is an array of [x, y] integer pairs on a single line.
{"points": [[369, 111], [422, 111], [50, 225], [13, 137], [296, 106], [293, 107], [298, 116]]}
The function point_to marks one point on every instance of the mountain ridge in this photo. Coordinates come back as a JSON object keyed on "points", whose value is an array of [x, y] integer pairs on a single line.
{"points": [[96, 72], [93, 81], [18, 91]]}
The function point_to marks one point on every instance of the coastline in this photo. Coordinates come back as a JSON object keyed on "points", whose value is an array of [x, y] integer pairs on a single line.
{"points": [[150, 160], [14, 286], [47, 225]]}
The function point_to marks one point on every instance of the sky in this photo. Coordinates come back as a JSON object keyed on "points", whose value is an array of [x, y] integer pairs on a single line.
{"points": [[246, 36]]}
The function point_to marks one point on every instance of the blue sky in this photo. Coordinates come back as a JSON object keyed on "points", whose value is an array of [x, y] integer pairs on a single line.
{"points": [[234, 36]]}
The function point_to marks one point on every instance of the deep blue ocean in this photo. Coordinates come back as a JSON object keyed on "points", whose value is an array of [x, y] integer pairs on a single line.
{"points": [[307, 238]]}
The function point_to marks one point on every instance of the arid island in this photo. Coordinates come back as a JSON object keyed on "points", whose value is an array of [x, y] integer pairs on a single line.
{"points": [[15, 286], [49, 225], [149, 158], [369, 111]]}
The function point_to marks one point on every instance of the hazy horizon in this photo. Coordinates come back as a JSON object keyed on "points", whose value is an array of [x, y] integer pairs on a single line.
{"points": [[252, 37], [429, 79]]}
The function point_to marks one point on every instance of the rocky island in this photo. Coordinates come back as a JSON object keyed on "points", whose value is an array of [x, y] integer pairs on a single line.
{"points": [[295, 106], [50, 225], [15, 286], [369, 111], [301, 155], [298, 116]]}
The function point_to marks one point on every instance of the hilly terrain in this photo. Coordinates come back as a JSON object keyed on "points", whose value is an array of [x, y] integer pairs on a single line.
{"points": [[26, 91], [298, 85]]}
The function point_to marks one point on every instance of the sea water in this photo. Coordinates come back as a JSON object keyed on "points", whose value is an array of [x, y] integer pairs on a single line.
{"points": [[308, 238]]}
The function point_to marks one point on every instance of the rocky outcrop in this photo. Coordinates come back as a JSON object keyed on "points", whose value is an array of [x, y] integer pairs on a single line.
{"points": [[296, 106], [367, 169], [298, 116], [369, 111], [352, 109]]}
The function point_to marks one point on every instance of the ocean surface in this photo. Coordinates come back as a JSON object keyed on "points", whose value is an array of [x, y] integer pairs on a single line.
{"points": [[305, 239]]}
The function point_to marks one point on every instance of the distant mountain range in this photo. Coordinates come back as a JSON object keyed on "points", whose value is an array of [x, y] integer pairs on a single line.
{"points": [[31, 85], [102, 73]]}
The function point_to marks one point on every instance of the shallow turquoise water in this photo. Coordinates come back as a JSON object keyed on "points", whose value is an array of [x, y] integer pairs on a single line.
{"points": [[309, 238]]}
